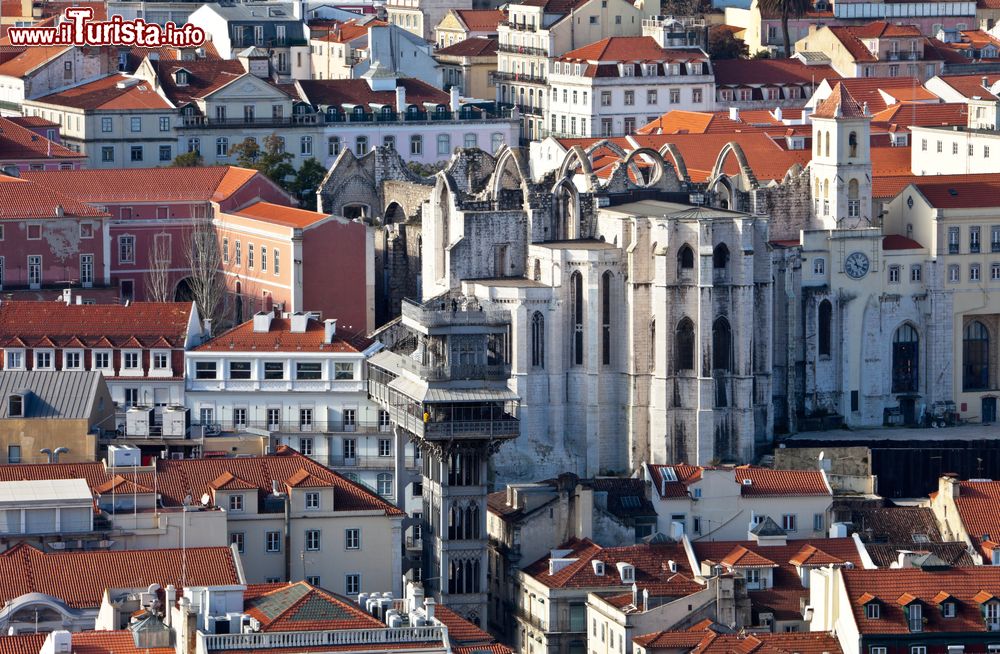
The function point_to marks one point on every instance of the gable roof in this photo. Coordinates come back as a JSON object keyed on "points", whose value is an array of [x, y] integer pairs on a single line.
{"points": [[301, 607], [63, 323], [282, 215], [764, 482], [480, 20], [748, 72], [204, 77], [25, 569], [630, 49], [111, 92], [17, 141], [339, 92], [115, 185], [176, 479], [978, 505], [30, 59], [281, 338], [971, 85], [650, 562], [477, 46]]}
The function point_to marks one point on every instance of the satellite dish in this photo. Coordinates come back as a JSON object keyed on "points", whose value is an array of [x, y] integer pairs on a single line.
{"points": [[187, 500], [206, 499]]}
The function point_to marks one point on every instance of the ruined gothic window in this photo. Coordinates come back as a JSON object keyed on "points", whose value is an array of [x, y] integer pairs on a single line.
{"points": [[576, 288], [537, 340], [720, 256], [685, 258], [823, 329], [905, 359], [606, 318], [975, 357], [722, 345], [684, 345]]}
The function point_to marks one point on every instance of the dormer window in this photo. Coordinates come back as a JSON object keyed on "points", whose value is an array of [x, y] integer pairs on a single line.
{"points": [[598, 568], [15, 406], [181, 78], [872, 611], [236, 503], [627, 572], [948, 610]]}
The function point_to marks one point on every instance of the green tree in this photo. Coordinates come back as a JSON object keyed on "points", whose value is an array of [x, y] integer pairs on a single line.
{"points": [[306, 181], [785, 9], [272, 159], [723, 45], [188, 160]]}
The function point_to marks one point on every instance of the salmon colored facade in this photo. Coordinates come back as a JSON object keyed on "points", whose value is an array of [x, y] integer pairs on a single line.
{"points": [[296, 260]]}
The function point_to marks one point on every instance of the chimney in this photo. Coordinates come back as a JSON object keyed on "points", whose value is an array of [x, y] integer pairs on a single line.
{"points": [[645, 600], [67, 296], [329, 329], [453, 100], [635, 595], [986, 82], [171, 599], [206, 326], [261, 322], [400, 99], [734, 114], [948, 486], [429, 608], [79, 299], [299, 322], [58, 642]]}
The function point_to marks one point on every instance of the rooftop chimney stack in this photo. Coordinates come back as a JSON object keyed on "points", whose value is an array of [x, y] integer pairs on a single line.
{"points": [[261, 322], [329, 329]]}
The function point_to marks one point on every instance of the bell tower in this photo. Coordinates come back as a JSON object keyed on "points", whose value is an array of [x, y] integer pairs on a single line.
{"points": [[841, 166]]}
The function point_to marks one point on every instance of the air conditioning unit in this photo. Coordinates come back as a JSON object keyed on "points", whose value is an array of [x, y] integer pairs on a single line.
{"points": [[138, 420], [175, 421]]}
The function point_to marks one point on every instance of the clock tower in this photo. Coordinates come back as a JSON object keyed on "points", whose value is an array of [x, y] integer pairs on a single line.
{"points": [[841, 167]]}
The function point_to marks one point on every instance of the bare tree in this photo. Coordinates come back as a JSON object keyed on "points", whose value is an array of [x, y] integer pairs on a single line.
{"points": [[158, 276], [205, 262]]}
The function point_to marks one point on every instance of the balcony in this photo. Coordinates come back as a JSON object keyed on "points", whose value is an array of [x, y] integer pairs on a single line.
{"points": [[523, 27], [443, 316], [535, 621], [524, 49], [248, 121], [346, 638], [290, 427], [524, 78], [451, 371], [953, 248]]}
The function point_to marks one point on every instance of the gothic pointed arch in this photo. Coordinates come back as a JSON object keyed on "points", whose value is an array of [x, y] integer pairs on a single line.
{"points": [[511, 162], [577, 155], [566, 217], [680, 166], [654, 157], [746, 172]]}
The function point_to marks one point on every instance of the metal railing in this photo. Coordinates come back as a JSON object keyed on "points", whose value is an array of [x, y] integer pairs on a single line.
{"points": [[524, 49], [448, 371], [502, 76], [199, 122], [443, 315], [340, 637], [525, 27], [315, 427]]}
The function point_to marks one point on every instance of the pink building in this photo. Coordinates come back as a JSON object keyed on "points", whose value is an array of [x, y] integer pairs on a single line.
{"points": [[49, 239], [299, 260], [152, 210], [33, 144]]}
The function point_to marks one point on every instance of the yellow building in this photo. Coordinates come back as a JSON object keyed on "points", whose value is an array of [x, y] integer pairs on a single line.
{"points": [[461, 24], [468, 65], [45, 411]]}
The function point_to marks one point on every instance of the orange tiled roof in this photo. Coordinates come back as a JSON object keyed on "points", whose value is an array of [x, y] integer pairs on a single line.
{"points": [[971, 85], [631, 49], [18, 142], [882, 29], [26, 62], [89, 324], [114, 185], [350, 30], [764, 482], [807, 642], [967, 585], [176, 479], [840, 103], [279, 337], [741, 557], [22, 198], [280, 215], [84, 642], [304, 479], [477, 46], [301, 607], [481, 20], [812, 555], [650, 562], [978, 502], [111, 92], [743, 72], [25, 569]]}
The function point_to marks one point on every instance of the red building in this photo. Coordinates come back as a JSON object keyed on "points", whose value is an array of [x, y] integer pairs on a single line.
{"points": [[152, 211], [33, 144]]}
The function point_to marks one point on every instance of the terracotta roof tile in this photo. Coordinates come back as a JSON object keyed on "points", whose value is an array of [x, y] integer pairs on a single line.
{"points": [[204, 77], [971, 85], [744, 72], [22, 643], [349, 31], [481, 20], [31, 121], [25, 569], [305, 479], [764, 482], [115, 185], [229, 481], [26, 62], [18, 142], [649, 561], [899, 242], [281, 215], [338, 92], [460, 630], [959, 194], [477, 46], [807, 642], [923, 114], [873, 90], [882, 29], [279, 337], [967, 585], [176, 479], [21, 198], [812, 555], [978, 502], [840, 103], [631, 49], [112, 92], [301, 607], [121, 485], [94, 324], [741, 557]]}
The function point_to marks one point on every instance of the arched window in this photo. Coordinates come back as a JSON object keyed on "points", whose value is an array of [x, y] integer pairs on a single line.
{"points": [[905, 359], [824, 327], [685, 257], [852, 145], [576, 288], [684, 345], [606, 318], [826, 151], [537, 340], [722, 345], [853, 201], [384, 484], [720, 256], [976, 357]]}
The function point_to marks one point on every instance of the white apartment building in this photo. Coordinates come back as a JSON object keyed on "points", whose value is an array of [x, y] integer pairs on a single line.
{"points": [[956, 150], [610, 87], [535, 33], [297, 381]]}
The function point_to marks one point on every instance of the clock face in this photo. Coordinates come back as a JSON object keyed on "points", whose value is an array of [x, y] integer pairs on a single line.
{"points": [[856, 265]]}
